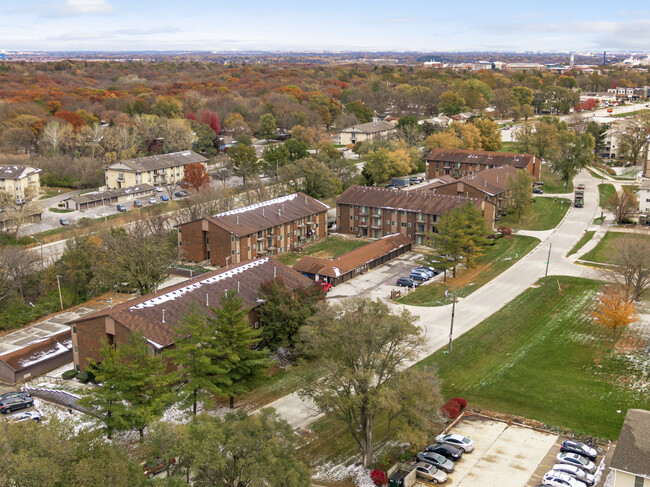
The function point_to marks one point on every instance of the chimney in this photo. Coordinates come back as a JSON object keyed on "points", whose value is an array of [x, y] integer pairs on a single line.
{"points": [[305, 200], [207, 299], [237, 219], [279, 211], [237, 286], [262, 211], [163, 315], [275, 272]]}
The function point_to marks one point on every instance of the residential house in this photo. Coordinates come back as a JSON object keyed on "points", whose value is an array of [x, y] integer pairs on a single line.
{"points": [[644, 197], [367, 131], [630, 464], [30, 213], [154, 170], [20, 181], [460, 162], [35, 358], [355, 262], [158, 314], [377, 212], [491, 185], [101, 198], [267, 228]]}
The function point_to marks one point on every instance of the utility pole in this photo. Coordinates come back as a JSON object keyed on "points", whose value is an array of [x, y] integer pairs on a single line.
{"points": [[548, 259], [453, 311], [41, 244], [58, 283]]}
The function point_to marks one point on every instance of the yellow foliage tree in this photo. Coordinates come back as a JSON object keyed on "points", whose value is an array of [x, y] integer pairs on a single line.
{"points": [[615, 310]]}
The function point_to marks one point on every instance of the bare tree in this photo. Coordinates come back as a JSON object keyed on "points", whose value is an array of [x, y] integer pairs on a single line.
{"points": [[633, 138], [18, 210], [622, 205], [52, 135], [631, 257], [16, 265]]}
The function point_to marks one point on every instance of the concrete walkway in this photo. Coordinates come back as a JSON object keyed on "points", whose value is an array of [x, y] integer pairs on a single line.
{"points": [[490, 298]]}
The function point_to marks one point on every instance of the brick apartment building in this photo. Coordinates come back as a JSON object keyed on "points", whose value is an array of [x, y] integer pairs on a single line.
{"points": [[377, 212], [156, 315], [268, 228], [458, 163], [491, 185]]}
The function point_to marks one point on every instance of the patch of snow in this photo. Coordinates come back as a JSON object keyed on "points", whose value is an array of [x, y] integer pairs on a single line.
{"points": [[274, 201], [57, 349], [338, 473]]}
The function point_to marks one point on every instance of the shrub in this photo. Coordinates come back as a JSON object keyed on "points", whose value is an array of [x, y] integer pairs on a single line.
{"points": [[451, 410], [610, 171], [378, 477], [462, 403], [83, 377], [69, 374]]}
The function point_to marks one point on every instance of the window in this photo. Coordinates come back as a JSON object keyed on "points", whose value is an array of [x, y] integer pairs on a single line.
{"points": [[404, 224], [256, 325], [76, 349], [74, 329], [207, 240], [77, 367], [638, 481], [351, 217], [409, 225], [180, 230], [232, 239], [387, 222], [394, 223]]}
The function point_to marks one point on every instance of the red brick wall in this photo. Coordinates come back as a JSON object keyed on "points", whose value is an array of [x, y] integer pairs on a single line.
{"points": [[192, 241], [88, 340]]}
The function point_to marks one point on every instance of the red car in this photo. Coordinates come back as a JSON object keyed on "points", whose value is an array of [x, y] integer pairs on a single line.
{"points": [[152, 468], [325, 285], [581, 186]]}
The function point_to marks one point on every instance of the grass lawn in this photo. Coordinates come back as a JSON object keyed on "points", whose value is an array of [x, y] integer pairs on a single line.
{"points": [[599, 220], [541, 357], [328, 248], [552, 182], [605, 191], [601, 253], [496, 259], [545, 214], [633, 188], [60, 210], [509, 147], [629, 114], [581, 243]]}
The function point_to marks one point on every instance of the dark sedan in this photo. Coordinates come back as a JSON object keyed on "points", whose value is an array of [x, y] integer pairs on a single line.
{"points": [[407, 281], [572, 446], [436, 460], [15, 403], [448, 451], [7, 395]]}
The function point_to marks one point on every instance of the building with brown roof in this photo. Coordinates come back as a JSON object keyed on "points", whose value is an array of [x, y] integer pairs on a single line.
{"points": [[459, 162], [630, 465], [355, 262], [20, 181], [155, 170], [381, 130], [377, 212], [36, 358], [101, 198], [156, 315], [491, 185], [267, 228]]}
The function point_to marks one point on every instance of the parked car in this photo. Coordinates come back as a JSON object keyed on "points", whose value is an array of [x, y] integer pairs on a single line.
{"points": [[152, 200], [581, 186], [7, 395], [459, 441], [407, 281], [429, 270], [64, 222], [448, 451], [26, 416], [437, 460], [158, 189], [417, 275], [180, 194], [137, 204], [416, 179], [15, 403], [572, 446], [61, 204], [164, 197], [578, 460], [121, 208], [325, 285], [575, 472], [152, 468], [430, 472], [392, 186], [560, 479], [537, 191]]}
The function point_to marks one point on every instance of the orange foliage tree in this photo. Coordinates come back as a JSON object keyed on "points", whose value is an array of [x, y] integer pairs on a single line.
{"points": [[196, 175], [615, 309], [73, 118]]}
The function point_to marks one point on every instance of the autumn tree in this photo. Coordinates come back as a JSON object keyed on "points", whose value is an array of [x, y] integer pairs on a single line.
{"points": [[574, 153], [490, 133], [268, 127], [520, 187], [297, 149], [541, 138], [363, 112], [312, 177], [631, 259], [451, 103], [196, 176], [633, 139], [622, 204], [385, 163], [614, 309], [245, 162], [365, 347], [168, 106]]}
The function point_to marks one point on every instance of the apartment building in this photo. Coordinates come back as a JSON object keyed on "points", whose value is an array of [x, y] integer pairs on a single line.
{"points": [[458, 163], [19, 181], [367, 131]]}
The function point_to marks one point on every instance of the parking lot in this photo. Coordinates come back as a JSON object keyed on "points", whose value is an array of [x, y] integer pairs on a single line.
{"points": [[505, 455]]}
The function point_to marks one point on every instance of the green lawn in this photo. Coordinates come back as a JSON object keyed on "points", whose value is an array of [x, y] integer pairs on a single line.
{"points": [[496, 259], [552, 182], [599, 220], [509, 147], [601, 253], [328, 248], [629, 114], [605, 191], [545, 214], [541, 357], [60, 210], [581, 243]]}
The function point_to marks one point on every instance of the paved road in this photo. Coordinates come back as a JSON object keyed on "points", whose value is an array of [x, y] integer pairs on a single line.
{"points": [[487, 300]]}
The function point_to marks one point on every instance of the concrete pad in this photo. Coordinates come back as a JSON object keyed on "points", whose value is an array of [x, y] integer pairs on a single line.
{"points": [[295, 411]]}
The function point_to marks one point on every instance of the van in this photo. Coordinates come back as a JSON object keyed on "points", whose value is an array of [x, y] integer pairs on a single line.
{"points": [[121, 208]]}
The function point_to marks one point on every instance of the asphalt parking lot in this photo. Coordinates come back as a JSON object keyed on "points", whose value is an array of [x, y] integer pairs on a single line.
{"points": [[505, 455]]}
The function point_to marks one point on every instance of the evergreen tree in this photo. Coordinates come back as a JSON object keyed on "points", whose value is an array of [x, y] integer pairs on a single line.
{"points": [[193, 358], [234, 343]]}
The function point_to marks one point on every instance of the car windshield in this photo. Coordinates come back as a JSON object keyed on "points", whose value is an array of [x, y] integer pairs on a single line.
{"points": [[465, 440]]}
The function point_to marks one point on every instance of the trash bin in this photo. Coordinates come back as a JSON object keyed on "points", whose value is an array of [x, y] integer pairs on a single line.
{"points": [[396, 480]]}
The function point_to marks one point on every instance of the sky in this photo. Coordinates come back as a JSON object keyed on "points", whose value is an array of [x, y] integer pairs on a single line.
{"points": [[336, 25]]}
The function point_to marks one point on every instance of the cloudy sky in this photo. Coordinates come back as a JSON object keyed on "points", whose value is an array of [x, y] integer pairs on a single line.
{"points": [[418, 25]]}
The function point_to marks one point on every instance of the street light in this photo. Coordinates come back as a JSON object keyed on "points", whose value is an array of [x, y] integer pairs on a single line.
{"points": [[41, 244], [453, 311], [58, 283]]}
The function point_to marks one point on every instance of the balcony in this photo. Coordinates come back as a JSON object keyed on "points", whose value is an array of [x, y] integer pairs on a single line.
{"points": [[363, 212], [363, 224]]}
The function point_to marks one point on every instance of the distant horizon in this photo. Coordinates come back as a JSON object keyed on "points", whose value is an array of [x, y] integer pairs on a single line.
{"points": [[582, 52]]}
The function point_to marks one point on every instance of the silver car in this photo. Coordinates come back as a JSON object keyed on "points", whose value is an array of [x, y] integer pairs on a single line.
{"points": [[430, 472], [437, 460], [575, 472], [576, 460]]}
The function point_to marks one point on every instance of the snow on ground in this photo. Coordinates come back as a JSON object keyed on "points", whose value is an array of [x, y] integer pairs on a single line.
{"points": [[77, 419], [337, 473]]}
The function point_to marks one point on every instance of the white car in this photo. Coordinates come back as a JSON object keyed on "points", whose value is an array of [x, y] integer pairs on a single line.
{"points": [[158, 189], [459, 441], [152, 200], [576, 460], [25, 416], [560, 479], [430, 472], [575, 472]]}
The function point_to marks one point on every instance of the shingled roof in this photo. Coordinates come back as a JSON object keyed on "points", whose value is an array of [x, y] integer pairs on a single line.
{"points": [[491, 181], [352, 259], [110, 193], [268, 214], [156, 315], [12, 171], [38, 351], [370, 128], [161, 161], [632, 451], [519, 161], [397, 199]]}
